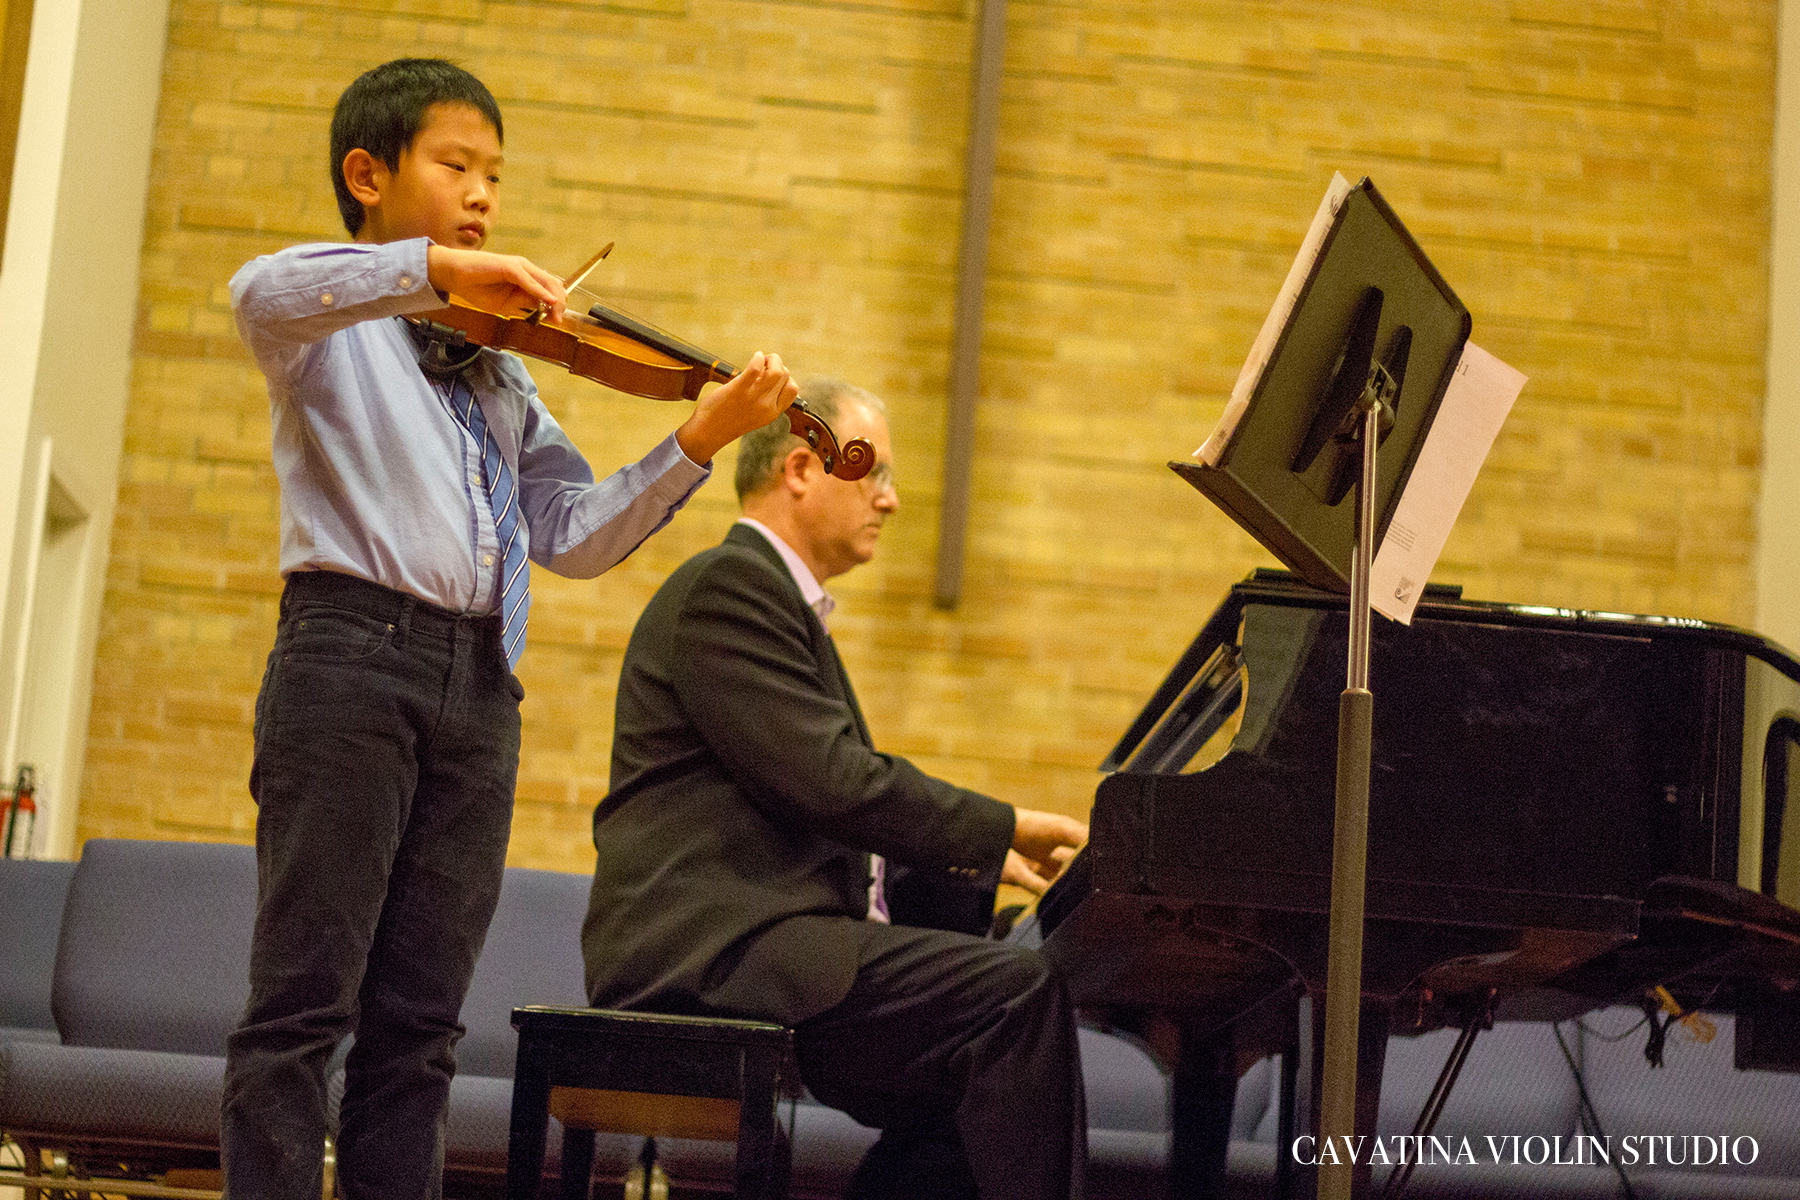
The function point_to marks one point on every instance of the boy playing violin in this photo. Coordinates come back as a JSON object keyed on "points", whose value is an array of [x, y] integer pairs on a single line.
{"points": [[415, 484]]}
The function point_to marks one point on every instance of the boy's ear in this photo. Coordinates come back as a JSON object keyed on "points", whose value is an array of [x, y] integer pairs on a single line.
{"points": [[365, 176]]}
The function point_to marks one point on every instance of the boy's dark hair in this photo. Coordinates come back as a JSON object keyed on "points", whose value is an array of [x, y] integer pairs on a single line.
{"points": [[382, 111]]}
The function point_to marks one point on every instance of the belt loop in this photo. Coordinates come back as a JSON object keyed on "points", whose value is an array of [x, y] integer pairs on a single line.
{"points": [[405, 622]]}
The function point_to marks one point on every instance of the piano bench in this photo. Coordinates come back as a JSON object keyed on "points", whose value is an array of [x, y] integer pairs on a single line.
{"points": [[707, 1078]]}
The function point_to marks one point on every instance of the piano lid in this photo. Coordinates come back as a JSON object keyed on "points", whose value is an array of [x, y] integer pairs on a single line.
{"points": [[1203, 689]]}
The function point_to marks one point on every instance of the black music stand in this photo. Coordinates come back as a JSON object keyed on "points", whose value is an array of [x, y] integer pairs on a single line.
{"points": [[1362, 360]]}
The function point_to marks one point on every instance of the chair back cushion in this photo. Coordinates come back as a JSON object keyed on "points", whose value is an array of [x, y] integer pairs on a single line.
{"points": [[155, 946], [532, 956], [1697, 1091], [31, 908]]}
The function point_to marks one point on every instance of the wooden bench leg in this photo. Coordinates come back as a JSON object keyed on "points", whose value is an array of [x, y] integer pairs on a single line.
{"points": [[530, 1125], [700, 1077], [758, 1176], [577, 1163]]}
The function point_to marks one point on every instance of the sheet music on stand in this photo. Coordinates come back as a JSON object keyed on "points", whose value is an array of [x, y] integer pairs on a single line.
{"points": [[1479, 395]]}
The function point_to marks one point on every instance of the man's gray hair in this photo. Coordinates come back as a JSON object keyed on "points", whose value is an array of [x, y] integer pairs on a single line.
{"points": [[762, 451]]}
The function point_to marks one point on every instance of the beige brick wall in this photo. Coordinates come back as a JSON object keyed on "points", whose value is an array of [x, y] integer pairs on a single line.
{"points": [[1593, 178]]}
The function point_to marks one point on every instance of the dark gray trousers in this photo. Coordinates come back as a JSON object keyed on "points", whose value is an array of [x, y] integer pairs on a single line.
{"points": [[963, 1053], [387, 746]]}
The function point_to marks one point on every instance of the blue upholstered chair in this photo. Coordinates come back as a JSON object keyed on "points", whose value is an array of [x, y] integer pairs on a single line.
{"points": [[532, 956], [31, 908], [151, 975]]}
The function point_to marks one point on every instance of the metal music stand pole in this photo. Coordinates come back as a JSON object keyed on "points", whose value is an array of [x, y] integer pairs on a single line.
{"points": [[1350, 832], [1363, 296]]}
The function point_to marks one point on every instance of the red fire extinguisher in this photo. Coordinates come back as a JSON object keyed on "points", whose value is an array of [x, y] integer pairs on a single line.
{"points": [[21, 815]]}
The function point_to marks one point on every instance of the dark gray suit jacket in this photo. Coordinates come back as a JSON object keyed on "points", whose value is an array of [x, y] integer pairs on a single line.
{"points": [[746, 798]]}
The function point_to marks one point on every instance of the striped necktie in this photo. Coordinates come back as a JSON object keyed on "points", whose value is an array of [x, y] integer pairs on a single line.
{"points": [[515, 572]]}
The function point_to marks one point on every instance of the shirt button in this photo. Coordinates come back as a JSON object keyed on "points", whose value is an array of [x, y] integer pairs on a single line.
{"points": [[487, 560], [326, 298], [406, 281]]}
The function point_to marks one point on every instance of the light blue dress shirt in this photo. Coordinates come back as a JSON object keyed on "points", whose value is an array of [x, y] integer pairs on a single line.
{"points": [[379, 479]]}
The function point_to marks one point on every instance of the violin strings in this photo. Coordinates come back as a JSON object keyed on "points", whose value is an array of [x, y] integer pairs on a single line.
{"points": [[586, 291], [575, 281], [675, 345]]}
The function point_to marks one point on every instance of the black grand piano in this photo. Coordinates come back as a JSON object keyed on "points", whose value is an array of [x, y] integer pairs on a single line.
{"points": [[1567, 809]]}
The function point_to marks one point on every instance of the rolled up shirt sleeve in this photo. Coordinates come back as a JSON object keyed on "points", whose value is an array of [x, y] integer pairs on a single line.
{"points": [[581, 527], [304, 294]]}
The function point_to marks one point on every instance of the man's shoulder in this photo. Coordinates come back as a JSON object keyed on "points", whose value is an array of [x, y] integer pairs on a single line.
{"points": [[743, 565], [744, 555]]}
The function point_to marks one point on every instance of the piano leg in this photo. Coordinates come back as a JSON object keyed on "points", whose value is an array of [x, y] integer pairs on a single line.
{"points": [[1302, 1084], [1201, 1095], [1298, 1102]]}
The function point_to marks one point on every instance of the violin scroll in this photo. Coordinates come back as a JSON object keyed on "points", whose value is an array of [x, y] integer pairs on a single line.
{"points": [[851, 461]]}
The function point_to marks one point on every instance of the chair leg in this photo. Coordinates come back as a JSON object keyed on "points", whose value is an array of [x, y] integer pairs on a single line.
{"points": [[577, 1163], [31, 1163], [784, 1162]]}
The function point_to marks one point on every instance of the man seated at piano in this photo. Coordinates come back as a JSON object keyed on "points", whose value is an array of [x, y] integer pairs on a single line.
{"points": [[759, 858]]}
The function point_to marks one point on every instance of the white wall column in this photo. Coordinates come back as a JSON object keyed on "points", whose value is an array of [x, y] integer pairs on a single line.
{"points": [[68, 302]]}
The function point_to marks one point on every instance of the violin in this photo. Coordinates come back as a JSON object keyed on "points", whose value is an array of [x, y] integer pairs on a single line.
{"points": [[629, 356]]}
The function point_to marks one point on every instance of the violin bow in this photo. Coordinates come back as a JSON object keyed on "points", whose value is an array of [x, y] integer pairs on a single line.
{"points": [[573, 281]]}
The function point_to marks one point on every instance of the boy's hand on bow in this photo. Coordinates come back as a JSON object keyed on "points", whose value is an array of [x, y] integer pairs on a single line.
{"points": [[507, 284]]}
